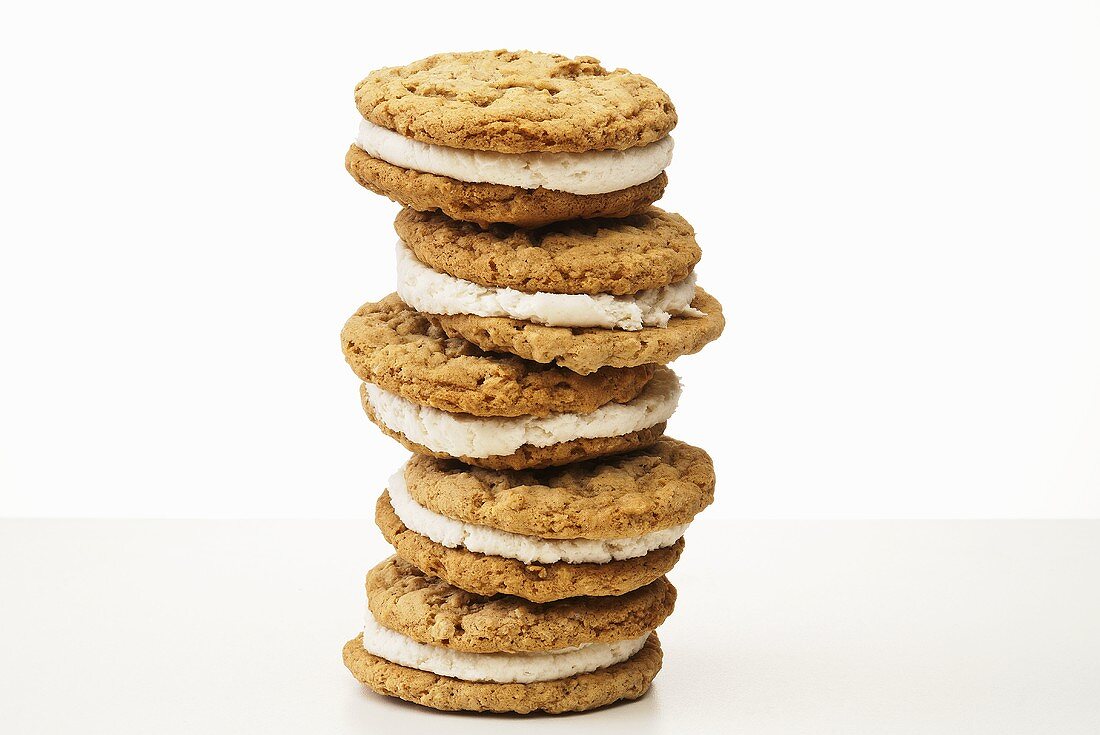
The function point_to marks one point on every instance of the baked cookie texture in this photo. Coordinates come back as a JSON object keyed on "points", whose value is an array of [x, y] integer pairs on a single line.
{"points": [[663, 485], [533, 241], [400, 350], [588, 349], [647, 250], [431, 611], [516, 102], [488, 575], [486, 203], [627, 680]]}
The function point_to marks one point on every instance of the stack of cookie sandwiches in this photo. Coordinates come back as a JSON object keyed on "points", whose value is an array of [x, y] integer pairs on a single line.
{"points": [[523, 360]]}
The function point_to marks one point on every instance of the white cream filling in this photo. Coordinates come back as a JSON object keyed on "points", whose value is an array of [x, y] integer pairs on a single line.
{"points": [[593, 172], [460, 434], [453, 533], [502, 668], [428, 290]]}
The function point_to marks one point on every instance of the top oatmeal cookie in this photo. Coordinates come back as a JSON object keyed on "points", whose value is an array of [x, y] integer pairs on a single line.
{"points": [[516, 102]]}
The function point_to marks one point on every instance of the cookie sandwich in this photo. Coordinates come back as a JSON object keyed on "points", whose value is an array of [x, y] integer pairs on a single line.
{"points": [[595, 528], [428, 642], [518, 137], [442, 396], [583, 294]]}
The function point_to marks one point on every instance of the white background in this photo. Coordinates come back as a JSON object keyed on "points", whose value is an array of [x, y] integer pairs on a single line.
{"points": [[897, 204]]}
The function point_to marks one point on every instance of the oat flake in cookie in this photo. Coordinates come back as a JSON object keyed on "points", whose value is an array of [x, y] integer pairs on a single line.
{"points": [[518, 137]]}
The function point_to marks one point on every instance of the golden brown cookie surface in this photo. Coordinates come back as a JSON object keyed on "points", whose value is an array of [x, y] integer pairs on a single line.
{"points": [[614, 256], [486, 203], [588, 349], [627, 680], [391, 345], [487, 575], [516, 102], [431, 611], [663, 485]]}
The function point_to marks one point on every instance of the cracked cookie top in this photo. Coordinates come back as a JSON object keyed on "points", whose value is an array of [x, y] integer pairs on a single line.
{"points": [[516, 102]]}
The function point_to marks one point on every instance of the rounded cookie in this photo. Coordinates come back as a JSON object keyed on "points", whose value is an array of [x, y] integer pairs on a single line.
{"points": [[400, 350], [428, 610], [622, 256], [627, 680], [529, 456], [589, 349], [663, 485], [494, 575], [516, 102], [485, 203]]}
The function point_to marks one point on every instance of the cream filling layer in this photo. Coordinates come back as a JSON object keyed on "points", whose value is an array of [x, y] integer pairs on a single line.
{"points": [[460, 434], [502, 668], [453, 533], [593, 172], [428, 290]]}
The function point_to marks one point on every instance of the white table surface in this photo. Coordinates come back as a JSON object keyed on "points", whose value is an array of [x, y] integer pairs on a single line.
{"points": [[782, 627]]}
